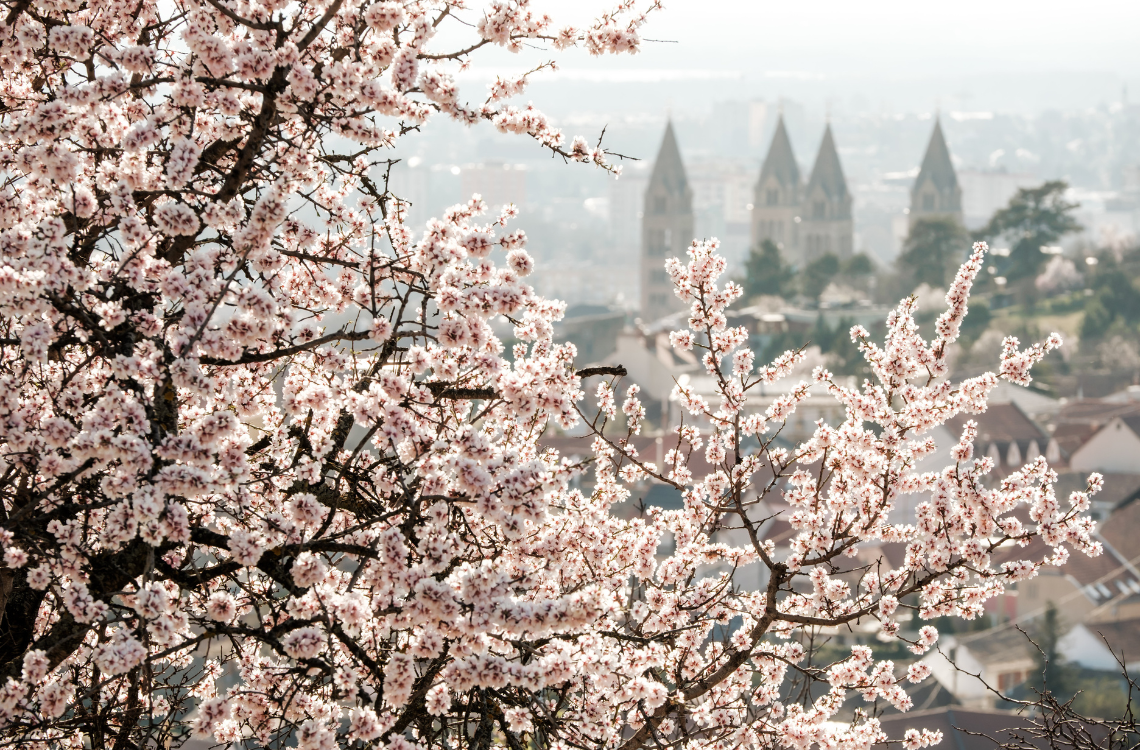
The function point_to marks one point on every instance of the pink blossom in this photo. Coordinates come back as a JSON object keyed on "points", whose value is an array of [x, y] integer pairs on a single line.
{"points": [[304, 643], [176, 219], [294, 460]]}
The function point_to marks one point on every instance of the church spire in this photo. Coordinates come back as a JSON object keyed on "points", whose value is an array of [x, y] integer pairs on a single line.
{"points": [[827, 174], [825, 216], [780, 163], [668, 169], [936, 191], [936, 165], [666, 227]]}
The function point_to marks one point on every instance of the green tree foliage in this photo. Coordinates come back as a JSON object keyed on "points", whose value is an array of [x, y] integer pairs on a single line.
{"points": [[1092, 692], [1035, 217], [843, 355], [818, 274], [1116, 299], [859, 265], [977, 320], [932, 251], [767, 273], [1098, 316], [1047, 635]]}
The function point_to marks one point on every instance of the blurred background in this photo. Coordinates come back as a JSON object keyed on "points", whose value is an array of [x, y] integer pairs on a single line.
{"points": [[1031, 97], [846, 155]]}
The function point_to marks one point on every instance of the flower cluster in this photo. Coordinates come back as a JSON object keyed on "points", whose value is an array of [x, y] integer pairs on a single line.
{"points": [[272, 474], [843, 491]]}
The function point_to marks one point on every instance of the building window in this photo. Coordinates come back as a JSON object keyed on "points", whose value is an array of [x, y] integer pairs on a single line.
{"points": [[1009, 680], [659, 276], [656, 243], [819, 210], [928, 202], [659, 204], [773, 197]]}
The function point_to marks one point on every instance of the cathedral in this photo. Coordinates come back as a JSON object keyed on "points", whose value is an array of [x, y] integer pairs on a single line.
{"points": [[936, 191], [804, 220], [666, 228]]}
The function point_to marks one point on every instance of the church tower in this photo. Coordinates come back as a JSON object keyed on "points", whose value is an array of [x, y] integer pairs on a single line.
{"points": [[936, 191], [777, 196], [666, 228], [826, 225]]}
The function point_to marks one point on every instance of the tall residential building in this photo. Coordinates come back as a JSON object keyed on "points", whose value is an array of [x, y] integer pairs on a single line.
{"points": [[936, 191], [777, 196], [826, 225], [666, 228]]}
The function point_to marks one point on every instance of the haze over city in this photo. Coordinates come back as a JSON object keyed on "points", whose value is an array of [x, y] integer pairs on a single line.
{"points": [[726, 375], [1023, 98]]}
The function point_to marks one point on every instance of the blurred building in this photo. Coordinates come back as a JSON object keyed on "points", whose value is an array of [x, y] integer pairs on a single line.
{"points": [[498, 182], [742, 127], [722, 196], [627, 203], [592, 329], [805, 222], [985, 192], [826, 214], [666, 227], [965, 728], [936, 192], [776, 197]]}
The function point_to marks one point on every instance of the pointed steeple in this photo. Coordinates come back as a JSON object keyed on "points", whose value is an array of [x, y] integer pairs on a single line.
{"points": [[666, 227], [936, 191], [780, 162], [936, 165], [826, 225], [668, 169], [827, 174]]}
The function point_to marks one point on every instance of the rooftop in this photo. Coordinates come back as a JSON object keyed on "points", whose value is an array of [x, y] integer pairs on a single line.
{"points": [[962, 728], [1001, 423]]}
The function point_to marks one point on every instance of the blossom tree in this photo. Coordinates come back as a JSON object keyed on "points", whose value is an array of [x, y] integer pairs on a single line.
{"points": [[270, 477]]}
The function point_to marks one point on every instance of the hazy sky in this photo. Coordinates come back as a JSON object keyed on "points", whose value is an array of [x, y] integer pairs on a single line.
{"points": [[884, 37]]}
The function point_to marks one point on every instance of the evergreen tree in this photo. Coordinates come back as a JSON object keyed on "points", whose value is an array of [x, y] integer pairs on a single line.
{"points": [[766, 272], [1035, 218], [818, 274], [933, 250], [859, 265], [1052, 672]]}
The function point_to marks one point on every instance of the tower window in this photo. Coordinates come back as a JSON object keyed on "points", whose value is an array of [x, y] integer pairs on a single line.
{"points": [[928, 202], [659, 204], [655, 244], [773, 197], [819, 210]]}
